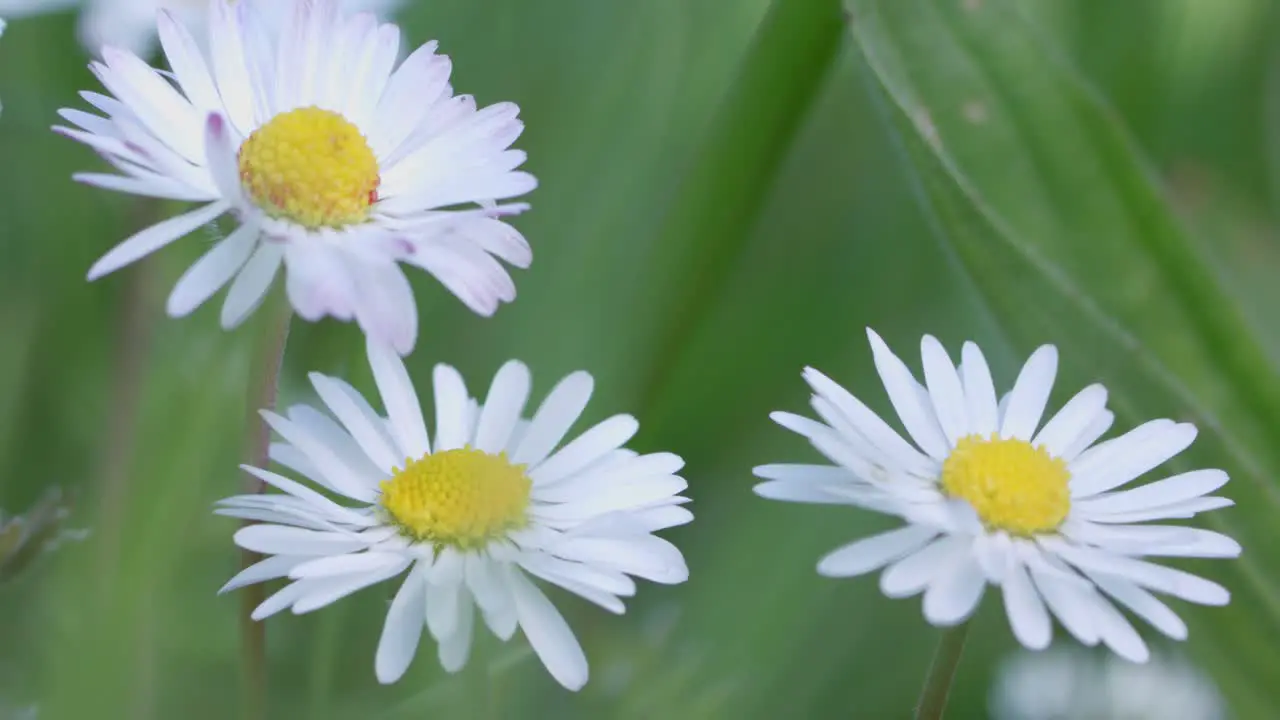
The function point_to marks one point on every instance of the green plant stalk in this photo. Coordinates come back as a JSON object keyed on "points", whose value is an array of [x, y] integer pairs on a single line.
{"points": [[264, 386], [730, 177], [937, 685]]}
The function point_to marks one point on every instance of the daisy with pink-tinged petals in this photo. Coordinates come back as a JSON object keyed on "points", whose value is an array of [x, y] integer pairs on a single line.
{"points": [[336, 164]]}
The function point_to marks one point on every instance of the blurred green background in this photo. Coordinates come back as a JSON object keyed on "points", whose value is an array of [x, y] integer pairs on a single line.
{"points": [[728, 191]]}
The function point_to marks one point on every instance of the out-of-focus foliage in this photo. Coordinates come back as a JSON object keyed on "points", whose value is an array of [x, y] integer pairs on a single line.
{"points": [[1004, 171]]}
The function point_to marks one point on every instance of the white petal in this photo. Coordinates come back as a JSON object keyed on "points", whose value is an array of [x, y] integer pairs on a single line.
{"points": [[1156, 577], [1143, 604], [979, 391], [876, 431], [282, 540], [945, 390], [1118, 634], [449, 567], [647, 556], [635, 476], [556, 414], [443, 602], [1030, 394], [285, 597], [1197, 544], [365, 427], [1129, 456], [327, 457], [954, 595], [1072, 421], [456, 648], [213, 270], [400, 400], [384, 304], [548, 633], [226, 42], [992, 552], [314, 499], [502, 407], [661, 518], [874, 552], [187, 62], [321, 280], [909, 399], [452, 426], [610, 498], [588, 447], [1176, 511], [799, 492], [153, 101], [150, 185], [275, 566], [1070, 603], [491, 593], [221, 148], [278, 515], [252, 284], [402, 629], [1099, 427], [329, 566], [914, 572], [333, 588], [818, 475], [155, 237], [1026, 611], [557, 570], [1178, 488]]}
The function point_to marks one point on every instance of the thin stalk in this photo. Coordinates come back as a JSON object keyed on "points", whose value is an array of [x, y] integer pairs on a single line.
{"points": [[264, 386], [933, 696]]}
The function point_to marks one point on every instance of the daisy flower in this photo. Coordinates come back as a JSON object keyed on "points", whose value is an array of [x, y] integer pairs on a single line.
{"points": [[989, 496], [470, 515], [1, 33], [333, 164], [131, 24], [1075, 684]]}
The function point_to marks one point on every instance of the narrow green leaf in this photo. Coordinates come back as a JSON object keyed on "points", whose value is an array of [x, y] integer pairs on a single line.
{"points": [[730, 177]]}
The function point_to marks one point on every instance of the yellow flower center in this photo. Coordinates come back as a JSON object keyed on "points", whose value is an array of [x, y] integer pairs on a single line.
{"points": [[1012, 485], [464, 498], [310, 166]]}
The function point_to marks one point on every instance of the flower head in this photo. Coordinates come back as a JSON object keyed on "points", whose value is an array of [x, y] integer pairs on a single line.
{"points": [[1, 33], [1076, 684], [131, 24], [333, 164], [990, 496], [470, 515]]}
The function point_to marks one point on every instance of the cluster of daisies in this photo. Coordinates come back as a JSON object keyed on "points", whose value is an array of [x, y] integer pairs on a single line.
{"points": [[340, 158]]}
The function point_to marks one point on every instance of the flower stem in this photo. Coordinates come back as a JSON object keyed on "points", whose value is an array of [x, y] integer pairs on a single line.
{"points": [[933, 696], [264, 385]]}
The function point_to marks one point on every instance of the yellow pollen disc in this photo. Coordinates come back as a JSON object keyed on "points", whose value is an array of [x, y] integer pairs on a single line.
{"points": [[1012, 485], [310, 166], [463, 498]]}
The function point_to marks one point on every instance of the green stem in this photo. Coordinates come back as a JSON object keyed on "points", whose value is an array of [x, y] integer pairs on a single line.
{"points": [[933, 696], [264, 386], [729, 178]]}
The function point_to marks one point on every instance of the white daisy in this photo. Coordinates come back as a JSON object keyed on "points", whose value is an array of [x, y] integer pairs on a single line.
{"points": [[334, 165], [1, 33], [470, 516], [131, 24], [988, 499], [1075, 684]]}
